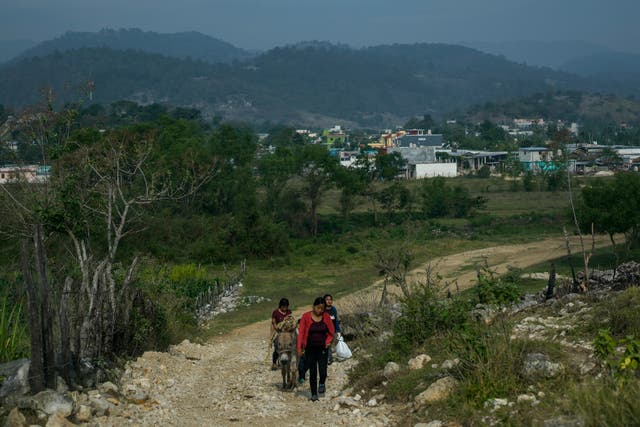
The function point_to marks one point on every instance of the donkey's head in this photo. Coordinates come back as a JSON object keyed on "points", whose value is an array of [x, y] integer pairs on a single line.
{"points": [[286, 346]]}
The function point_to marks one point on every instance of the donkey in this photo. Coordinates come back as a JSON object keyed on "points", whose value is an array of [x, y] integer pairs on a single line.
{"points": [[288, 358]]}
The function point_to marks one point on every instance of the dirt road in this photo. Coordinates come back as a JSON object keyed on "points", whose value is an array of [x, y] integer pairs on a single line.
{"points": [[227, 382]]}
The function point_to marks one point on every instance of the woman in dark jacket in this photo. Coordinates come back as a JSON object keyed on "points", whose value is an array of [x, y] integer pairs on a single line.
{"points": [[314, 338]]}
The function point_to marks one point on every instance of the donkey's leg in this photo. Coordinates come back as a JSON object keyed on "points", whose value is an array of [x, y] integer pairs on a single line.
{"points": [[284, 369]]}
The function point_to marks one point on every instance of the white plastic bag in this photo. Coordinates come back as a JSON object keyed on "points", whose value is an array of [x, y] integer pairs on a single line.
{"points": [[342, 349]]}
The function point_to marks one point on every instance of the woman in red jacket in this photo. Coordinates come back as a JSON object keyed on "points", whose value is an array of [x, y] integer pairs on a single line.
{"points": [[315, 336]]}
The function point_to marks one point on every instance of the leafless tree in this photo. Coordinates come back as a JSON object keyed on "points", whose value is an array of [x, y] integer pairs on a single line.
{"points": [[93, 200], [394, 264]]}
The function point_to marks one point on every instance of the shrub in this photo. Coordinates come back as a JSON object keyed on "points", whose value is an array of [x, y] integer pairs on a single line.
{"points": [[13, 332], [622, 365], [623, 313], [189, 280], [490, 364], [426, 312], [496, 290]]}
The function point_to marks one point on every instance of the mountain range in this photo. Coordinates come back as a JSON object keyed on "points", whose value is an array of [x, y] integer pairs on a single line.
{"points": [[310, 83]]}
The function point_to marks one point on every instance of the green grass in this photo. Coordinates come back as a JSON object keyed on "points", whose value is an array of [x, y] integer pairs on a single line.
{"points": [[14, 342], [341, 260]]}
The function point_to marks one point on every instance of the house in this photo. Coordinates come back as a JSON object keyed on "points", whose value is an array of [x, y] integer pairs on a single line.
{"points": [[534, 154], [422, 163], [417, 138], [527, 123], [387, 139], [541, 159], [348, 158], [30, 174], [472, 161], [334, 136]]}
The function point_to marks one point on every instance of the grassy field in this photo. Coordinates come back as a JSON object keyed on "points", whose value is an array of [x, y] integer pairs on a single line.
{"points": [[342, 260]]}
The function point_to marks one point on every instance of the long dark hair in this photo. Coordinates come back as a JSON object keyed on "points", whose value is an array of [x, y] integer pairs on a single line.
{"points": [[318, 301]]}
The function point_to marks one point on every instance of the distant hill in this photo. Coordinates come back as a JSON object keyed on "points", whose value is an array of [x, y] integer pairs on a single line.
{"points": [[568, 106], [11, 48], [310, 83], [604, 64], [540, 54], [178, 45]]}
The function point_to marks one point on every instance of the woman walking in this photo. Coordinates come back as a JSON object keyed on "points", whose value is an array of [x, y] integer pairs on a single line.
{"points": [[315, 336]]}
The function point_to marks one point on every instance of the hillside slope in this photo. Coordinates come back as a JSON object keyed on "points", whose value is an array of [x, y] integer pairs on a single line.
{"points": [[190, 44], [310, 83]]}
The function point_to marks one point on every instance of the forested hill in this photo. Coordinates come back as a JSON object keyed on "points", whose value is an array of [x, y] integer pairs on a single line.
{"points": [[190, 44], [570, 106], [310, 83]]}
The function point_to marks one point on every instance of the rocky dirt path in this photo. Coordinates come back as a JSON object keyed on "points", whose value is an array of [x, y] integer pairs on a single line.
{"points": [[227, 382]]}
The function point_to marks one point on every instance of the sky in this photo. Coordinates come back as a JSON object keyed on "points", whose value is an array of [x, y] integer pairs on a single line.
{"points": [[263, 24]]}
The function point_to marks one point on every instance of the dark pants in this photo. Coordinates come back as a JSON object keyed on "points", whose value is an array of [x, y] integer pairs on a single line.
{"points": [[316, 361]]}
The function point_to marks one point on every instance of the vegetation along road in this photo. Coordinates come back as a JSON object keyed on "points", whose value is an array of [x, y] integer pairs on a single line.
{"points": [[227, 381]]}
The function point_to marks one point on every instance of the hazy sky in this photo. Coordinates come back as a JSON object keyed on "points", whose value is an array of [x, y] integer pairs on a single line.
{"points": [[262, 24]]}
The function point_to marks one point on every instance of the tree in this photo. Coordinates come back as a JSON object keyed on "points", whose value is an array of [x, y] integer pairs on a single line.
{"points": [[394, 264], [388, 166], [613, 207], [352, 183], [610, 158], [316, 168], [439, 200], [274, 171], [92, 202], [23, 204]]}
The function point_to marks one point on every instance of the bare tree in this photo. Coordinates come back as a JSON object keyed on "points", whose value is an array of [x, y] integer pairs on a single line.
{"points": [[394, 264], [586, 257], [93, 200]]}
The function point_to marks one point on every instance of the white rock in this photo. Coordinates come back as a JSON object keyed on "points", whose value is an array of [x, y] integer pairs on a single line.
{"points": [[450, 364], [84, 413], [108, 388], [15, 419], [57, 420], [51, 402], [419, 362], [496, 403], [391, 369], [526, 398], [372, 402], [437, 391]]}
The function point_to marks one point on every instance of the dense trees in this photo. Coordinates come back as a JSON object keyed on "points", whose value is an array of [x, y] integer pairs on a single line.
{"points": [[613, 206], [372, 86]]}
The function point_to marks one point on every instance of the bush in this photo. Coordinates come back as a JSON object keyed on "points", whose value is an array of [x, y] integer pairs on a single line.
{"points": [[439, 201], [497, 290], [188, 280], [490, 364], [426, 312], [618, 314]]}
